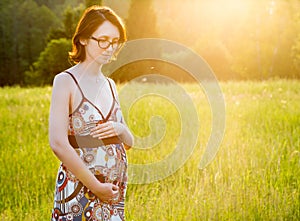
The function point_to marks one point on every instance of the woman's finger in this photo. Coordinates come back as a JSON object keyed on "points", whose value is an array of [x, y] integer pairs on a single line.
{"points": [[99, 129], [104, 135], [102, 128]]}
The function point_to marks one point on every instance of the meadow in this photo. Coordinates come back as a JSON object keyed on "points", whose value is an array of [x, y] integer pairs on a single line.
{"points": [[254, 176]]}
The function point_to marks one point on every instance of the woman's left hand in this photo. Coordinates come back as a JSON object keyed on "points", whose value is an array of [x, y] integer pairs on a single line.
{"points": [[107, 129]]}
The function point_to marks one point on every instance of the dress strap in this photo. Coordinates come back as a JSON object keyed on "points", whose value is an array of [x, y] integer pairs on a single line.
{"points": [[76, 82], [113, 104], [112, 91]]}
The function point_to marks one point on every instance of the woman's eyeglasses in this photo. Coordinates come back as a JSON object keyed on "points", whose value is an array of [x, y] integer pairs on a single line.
{"points": [[104, 44]]}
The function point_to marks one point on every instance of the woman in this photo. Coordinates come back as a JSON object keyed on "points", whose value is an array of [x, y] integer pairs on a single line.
{"points": [[86, 129]]}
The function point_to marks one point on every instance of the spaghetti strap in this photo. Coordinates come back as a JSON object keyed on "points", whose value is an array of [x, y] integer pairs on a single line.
{"points": [[113, 104], [76, 82], [112, 91], [86, 99]]}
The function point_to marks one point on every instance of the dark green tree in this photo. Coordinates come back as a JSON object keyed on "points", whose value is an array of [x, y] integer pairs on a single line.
{"points": [[141, 21], [51, 61], [89, 3], [24, 27], [69, 21]]}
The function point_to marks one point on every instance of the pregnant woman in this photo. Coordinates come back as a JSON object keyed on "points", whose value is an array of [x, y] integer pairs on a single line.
{"points": [[86, 129]]}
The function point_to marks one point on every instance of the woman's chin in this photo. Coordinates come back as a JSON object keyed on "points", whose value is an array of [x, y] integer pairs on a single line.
{"points": [[104, 60]]}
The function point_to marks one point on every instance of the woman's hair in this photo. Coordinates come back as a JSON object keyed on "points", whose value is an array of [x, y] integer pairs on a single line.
{"points": [[91, 19]]}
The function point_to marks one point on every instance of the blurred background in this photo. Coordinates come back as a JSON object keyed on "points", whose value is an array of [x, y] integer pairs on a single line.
{"points": [[240, 39]]}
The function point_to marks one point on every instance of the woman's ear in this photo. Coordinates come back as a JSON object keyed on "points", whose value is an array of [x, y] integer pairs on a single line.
{"points": [[83, 41]]}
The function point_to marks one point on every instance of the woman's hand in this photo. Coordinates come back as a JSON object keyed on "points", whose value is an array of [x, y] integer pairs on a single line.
{"points": [[107, 129], [107, 192], [111, 129]]}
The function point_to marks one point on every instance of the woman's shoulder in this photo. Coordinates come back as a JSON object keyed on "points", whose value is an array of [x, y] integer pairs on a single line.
{"points": [[62, 75], [112, 82], [63, 79], [67, 74]]}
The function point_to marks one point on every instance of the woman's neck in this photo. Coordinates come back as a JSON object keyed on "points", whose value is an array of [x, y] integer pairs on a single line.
{"points": [[90, 70]]}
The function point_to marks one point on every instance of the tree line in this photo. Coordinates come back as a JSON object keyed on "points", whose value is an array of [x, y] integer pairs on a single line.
{"points": [[250, 39]]}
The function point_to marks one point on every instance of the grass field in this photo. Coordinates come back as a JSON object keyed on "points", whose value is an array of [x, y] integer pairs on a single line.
{"points": [[255, 175]]}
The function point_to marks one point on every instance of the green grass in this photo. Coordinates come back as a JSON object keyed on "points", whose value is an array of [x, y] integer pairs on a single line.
{"points": [[255, 175]]}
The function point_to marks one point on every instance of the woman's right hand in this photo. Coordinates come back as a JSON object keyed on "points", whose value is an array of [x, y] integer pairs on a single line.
{"points": [[107, 192]]}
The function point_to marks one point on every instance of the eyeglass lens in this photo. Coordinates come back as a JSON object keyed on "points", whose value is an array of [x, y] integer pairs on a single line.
{"points": [[104, 44]]}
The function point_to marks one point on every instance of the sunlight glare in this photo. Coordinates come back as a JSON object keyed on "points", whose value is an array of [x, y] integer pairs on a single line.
{"points": [[222, 10]]}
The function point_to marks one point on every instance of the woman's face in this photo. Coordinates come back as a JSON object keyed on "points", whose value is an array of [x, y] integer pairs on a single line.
{"points": [[107, 36]]}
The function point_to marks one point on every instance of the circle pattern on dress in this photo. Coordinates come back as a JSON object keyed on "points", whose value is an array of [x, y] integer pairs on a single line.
{"points": [[76, 208], [88, 158], [88, 213], [97, 213], [78, 123], [70, 217], [56, 213], [62, 181], [105, 213]]}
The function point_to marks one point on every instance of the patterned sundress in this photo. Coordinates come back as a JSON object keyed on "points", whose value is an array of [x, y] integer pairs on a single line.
{"points": [[106, 159]]}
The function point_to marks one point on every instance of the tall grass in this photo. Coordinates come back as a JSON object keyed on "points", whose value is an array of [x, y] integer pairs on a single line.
{"points": [[255, 176]]}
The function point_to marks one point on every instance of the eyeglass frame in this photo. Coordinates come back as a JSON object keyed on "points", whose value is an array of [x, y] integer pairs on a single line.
{"points": [[110, 43]]}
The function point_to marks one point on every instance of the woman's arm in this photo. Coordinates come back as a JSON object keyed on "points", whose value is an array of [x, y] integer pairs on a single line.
{"points": [[58, 139]]}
